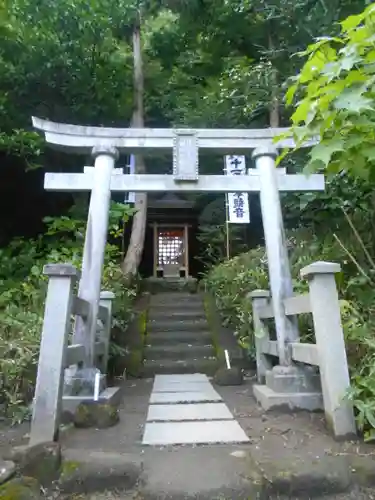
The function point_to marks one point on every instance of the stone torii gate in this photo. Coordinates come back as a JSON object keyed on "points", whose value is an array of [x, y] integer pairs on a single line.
{"points": [[105, 144]]}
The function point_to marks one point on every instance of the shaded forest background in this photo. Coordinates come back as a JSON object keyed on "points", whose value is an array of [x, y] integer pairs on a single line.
{"points": [[206, 63]]}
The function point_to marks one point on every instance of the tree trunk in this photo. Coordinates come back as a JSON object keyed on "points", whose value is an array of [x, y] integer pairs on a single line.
{"points": [[134, 253], [274, 105]]}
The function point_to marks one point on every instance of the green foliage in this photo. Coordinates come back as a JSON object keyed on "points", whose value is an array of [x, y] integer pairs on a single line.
{"points": [[73, 62], [214, 241], [22, 295], [335, 99], [213, 234], [331, 233], [230, 282], [335, 93]]}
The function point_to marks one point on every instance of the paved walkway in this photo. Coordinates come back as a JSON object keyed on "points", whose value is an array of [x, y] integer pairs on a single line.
{"points": [[186, 409], [287, 455]]}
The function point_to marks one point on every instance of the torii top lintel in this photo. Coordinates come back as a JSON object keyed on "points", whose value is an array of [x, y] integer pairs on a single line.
{"points": [[82, 139]]}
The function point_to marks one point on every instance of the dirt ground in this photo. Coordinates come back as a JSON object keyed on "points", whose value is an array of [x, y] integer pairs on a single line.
{"points": [[284, 448]]}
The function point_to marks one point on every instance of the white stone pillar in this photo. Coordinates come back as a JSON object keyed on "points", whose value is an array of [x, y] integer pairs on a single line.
{"points": [[106, 300], [260, 298], [56, 327], [329, 336], [94, 248], [277, 253]]}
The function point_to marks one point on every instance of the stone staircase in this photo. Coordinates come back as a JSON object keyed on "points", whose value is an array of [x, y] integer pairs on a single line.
{"points": [[178, 337]]}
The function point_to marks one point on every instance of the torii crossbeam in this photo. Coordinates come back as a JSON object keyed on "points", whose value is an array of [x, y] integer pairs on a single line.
{"points": [[105, 145]]}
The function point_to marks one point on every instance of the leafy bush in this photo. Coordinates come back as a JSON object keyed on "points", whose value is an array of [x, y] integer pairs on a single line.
{"points": [[344, 239], [22, 295]]}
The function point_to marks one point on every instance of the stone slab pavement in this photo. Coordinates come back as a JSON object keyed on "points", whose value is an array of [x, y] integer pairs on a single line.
{"points": [[202, 429], [185, 397], [292, 455], [174, 433], [186, 412]]}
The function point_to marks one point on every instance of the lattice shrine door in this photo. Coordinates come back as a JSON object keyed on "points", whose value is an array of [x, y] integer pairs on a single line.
{"points": [[171, 251]]}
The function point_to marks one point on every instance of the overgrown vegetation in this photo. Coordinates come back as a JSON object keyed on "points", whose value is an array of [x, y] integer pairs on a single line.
{"points": [[336, 106], [349, 243], [22, 294]]}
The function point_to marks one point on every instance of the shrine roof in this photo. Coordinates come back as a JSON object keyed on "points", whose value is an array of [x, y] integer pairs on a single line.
{"points": [[169, 200]]}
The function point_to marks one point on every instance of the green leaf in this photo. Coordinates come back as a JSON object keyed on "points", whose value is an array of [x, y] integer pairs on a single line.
{"points": [[323, 151], [352, 22], [353, 100], [353, 140], [369, 436], [289, 96], [346, 63], [35, 271], [301, 113], [359, 165], [369, 152]]}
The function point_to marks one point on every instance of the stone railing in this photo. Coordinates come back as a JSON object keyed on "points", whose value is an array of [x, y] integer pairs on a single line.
{"points": [[57, 356], [297, 384]]}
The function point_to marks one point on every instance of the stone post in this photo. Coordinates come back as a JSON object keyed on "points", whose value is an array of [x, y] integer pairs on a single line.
{"points": [[53, 346], [94, 248], [329, 337], [106, 299], [277, 254], [259, 299]]}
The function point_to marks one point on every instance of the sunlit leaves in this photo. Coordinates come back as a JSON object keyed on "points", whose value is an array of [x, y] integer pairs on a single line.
{"points": [[352, 22], [337, 83]]}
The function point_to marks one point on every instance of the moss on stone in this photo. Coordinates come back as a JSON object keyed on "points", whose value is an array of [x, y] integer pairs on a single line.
{"points": [[208, 309], [135, 355], [134, 363], [220, 354], [96, 414], [82, 412], [212, 320], [23, 488], [133, 340], [41, 461], [142, 323], [228, 376], [68, 468]]}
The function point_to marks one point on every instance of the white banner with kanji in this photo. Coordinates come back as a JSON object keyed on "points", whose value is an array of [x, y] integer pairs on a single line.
{"points": [[238, 203]]}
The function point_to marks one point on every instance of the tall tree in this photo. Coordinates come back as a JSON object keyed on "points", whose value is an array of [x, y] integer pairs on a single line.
{"points": [[135, 249]]}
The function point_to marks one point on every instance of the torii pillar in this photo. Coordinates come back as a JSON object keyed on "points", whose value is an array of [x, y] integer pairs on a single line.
{"points": [[94, 247], [277, 253]]}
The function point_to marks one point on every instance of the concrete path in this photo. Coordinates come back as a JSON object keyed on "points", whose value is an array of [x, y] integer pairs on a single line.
{"points": [[186, 409], [289, 456]]}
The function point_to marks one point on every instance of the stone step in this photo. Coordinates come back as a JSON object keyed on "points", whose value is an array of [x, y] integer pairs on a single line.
{"points": [[98, 470], [161, 298], [185, 336], [171, 285], [177, 304], [179, 352], [175, 325], [159, 367], [177, 314]]}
